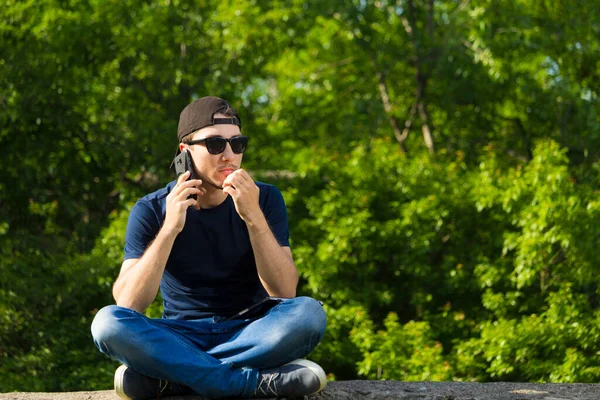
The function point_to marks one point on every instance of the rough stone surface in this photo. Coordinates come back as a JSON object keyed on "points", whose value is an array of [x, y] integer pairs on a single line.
{"points": [[391, 390]]}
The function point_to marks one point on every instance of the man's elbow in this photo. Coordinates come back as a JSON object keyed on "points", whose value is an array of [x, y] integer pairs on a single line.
{"points": [[132, 306], [130, 303], [286, 293], [293, 286], [289, 292]]}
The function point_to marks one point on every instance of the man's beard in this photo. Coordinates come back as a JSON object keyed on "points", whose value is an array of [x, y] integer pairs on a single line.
{"points": [[206, 180]]}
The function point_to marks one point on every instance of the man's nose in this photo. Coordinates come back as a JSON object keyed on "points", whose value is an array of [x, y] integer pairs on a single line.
{"points": [[227, 154]]}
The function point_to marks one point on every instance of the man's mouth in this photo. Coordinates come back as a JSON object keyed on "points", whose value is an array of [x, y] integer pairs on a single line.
{"points": [[227, 171]]}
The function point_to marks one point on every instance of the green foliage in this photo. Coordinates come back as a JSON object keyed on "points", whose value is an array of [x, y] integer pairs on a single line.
{"points": [[561, 344], [404, 353], [47, 312], [404, 239], [337, 353], [471, 257], [545, 302]]}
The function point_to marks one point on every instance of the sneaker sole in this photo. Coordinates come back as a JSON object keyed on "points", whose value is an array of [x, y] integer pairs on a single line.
{"points": [[119, 373], [314, 367]]}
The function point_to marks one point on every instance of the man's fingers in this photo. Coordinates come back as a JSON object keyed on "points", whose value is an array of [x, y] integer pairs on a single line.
{"points": [[243, 174], [182, 180], [234, 180], [183, 177], [230, 190], [190, 183], [191, 202], [227, 183], [186, 184], [190, 191]]}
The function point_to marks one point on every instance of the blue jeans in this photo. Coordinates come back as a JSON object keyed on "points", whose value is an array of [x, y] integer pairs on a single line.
{"points": [[215, 358]]}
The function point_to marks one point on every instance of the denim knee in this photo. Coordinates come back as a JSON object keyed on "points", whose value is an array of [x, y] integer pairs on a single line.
{"points": [[304, 319], [301, 328], [107, 329], [311, 316]]}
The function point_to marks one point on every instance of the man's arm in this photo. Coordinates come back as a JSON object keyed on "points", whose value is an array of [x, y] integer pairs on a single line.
{"points": [[139, 279], [274, 263]]}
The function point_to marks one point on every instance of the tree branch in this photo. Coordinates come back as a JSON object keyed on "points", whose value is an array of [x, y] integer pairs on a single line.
{"points": [[430, 19], [387, 106], [399, 134], [421, 77], [426, 126]]}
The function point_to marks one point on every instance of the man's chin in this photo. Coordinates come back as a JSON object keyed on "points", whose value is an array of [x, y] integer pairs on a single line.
{"points": [[213, 184]]}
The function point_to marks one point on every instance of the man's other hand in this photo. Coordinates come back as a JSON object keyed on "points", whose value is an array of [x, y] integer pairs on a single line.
{"points": [[240, 186]]}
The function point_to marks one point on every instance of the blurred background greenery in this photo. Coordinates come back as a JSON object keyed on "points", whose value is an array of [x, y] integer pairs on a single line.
{"points": [[439, 159]]}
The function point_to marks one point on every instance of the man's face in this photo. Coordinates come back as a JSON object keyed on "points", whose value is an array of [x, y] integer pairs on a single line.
{"points": [[215, 167]]}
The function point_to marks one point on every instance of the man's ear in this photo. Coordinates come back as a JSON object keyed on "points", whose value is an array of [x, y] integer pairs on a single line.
{"points": [[181, 147]]}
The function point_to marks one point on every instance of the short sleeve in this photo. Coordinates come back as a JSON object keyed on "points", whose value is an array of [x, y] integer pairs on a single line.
{"points": [[273, 207], [142, 228]]}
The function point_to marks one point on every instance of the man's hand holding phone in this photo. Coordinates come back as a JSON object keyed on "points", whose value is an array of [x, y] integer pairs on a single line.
{"points": [[179, 200]]}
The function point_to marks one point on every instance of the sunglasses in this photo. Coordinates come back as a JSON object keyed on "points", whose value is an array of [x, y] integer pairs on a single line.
{"points": [[216, 145]]}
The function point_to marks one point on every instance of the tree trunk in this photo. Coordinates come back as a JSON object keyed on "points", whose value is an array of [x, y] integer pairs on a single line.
{"points": [[421, 78]]}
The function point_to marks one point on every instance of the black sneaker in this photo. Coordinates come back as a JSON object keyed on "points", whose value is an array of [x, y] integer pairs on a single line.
{"points": [[132, 385], [298, 378]]}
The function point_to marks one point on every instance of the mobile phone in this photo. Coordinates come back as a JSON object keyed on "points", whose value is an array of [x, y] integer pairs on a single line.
{"points": [[271, 301], [183, 163]]}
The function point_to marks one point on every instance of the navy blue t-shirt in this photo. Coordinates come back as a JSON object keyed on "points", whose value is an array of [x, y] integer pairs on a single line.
{"points": [[211, 268]]}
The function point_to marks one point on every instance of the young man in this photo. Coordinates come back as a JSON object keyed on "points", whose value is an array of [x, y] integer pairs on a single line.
{"points": [[213, 256]]}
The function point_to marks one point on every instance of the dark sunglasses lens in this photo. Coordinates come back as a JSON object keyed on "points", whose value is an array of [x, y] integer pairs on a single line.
{"points": [[239, 144], [215, 145]]}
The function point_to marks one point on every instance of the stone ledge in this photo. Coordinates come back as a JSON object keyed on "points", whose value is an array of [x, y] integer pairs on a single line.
{"points": [[391, 390]]}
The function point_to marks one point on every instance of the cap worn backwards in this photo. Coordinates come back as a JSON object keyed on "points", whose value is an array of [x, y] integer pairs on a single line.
{"points": [[200, 113]]}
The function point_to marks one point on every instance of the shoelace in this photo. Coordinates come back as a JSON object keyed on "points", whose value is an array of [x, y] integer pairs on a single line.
{"points": [[162, 387], [267, 390]]}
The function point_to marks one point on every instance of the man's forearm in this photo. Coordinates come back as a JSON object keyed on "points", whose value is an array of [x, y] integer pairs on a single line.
{"points": [[137, 286], [275, 266]]}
